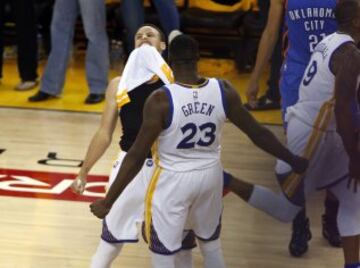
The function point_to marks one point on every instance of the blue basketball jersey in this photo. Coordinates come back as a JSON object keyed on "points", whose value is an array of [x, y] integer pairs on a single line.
{"points": [[307, 22]]}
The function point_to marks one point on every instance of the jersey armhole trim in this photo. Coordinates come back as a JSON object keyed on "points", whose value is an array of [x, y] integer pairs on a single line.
{"points": [[223, 97], [171, 108]]}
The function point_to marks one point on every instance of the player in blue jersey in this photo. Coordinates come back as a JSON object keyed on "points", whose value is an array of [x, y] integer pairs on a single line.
{"points": [[324, 126], [306, 23]]}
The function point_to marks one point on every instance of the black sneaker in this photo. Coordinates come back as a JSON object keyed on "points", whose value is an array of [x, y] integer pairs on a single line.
{"points": [[264, 104], [330, 231], [40, 96], [94, 98], [301, 234]]}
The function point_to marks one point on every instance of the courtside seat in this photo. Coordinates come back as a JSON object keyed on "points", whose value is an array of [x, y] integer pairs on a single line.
{"points": [[224, 30], [219, 21]]}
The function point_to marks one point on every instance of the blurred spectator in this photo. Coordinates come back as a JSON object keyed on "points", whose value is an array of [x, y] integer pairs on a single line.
{"points": [[97, 53], [271, 99], [168, 16], [44, 11], [25, 27]]}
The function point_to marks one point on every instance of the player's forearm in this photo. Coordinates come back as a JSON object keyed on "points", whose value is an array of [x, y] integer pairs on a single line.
{"points": [[347, 131], [267, 141], [98, 145], [130, 167], [266, 47]]}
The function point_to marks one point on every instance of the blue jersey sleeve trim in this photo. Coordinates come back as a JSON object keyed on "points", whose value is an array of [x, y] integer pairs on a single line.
{"points": [[171, 107], [223, 97]]}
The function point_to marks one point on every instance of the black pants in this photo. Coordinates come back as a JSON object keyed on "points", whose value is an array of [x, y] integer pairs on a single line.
{"points": [[26, 41]]}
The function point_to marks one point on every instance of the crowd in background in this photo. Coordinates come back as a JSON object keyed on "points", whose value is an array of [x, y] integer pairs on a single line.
{"points": [[49, 28]]}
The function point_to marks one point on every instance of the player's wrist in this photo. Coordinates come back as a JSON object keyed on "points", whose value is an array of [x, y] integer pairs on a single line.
{"points": [[82, 175], [108, 202]]}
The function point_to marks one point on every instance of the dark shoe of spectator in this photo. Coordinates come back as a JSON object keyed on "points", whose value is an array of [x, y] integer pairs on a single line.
{"points": [[330, 231], [40, 96], [94, 98], [263, 104], [26, 85], [300, 236]]}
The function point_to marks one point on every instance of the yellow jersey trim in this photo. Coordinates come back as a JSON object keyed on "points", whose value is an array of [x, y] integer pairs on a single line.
{"points": [[290, 185], [148, 203]]}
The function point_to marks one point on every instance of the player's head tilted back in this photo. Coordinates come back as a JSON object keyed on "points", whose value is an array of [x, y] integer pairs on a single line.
{"points": [[347, 14], [183, 50], [151, 35]]}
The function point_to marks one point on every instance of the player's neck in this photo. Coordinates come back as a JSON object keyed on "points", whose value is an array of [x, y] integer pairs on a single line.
{"points": [[186, 76]]}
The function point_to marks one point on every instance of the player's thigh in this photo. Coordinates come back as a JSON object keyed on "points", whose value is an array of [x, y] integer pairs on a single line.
{"points": [[205, 211]]}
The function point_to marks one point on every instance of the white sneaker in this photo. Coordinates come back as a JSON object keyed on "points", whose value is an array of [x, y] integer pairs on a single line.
{"points": [[26, 85]]}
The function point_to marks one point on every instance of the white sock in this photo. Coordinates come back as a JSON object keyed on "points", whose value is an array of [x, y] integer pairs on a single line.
{"points": [[183, 259], [275, 205], [212, 254], [105, 254], [162, 261]]}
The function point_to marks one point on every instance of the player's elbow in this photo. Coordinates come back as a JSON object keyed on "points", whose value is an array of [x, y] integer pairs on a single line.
{"points": [[104, 137], [136, 157]]}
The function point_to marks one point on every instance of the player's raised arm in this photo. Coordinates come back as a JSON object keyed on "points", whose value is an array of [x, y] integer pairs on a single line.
{"points": [[258, 134], [154, 117]]}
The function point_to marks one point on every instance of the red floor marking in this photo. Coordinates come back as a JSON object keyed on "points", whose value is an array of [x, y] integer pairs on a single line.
{"points": [[48, 185]]}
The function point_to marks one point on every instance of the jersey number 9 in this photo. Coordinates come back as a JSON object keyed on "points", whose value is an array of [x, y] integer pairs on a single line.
{"points": [[311, 72]]}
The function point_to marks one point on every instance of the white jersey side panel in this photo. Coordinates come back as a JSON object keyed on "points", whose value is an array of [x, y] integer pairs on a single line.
{"points": [[191, 140], [317, 88]]}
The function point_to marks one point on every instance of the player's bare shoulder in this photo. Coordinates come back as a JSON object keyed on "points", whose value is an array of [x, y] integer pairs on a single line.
{"points": [[356, 58], [158, 102], [346, 57], [159, 96]]}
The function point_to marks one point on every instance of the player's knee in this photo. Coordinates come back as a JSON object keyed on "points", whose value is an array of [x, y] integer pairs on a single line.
{"points": [[208, 246], [162, 261], [288, 212]]}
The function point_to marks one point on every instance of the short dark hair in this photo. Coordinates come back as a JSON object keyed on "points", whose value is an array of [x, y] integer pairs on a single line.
{"points": [[161, 33], [183, 48], [346, 11]]}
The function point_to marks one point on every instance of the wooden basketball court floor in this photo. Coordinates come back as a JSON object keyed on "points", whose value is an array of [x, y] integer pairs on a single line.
{"points": [[41, 147]]}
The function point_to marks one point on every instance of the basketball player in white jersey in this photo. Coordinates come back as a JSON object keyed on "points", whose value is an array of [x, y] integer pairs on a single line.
{"points": [[184, 122], [120, 226], [322, 126]]}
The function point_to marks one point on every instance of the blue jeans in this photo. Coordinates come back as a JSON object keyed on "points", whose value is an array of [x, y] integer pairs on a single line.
{"points": [[133, 17], [62, 33]]}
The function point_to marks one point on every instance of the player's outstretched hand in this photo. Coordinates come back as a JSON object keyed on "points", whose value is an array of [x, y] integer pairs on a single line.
{"points": [[299, 164], [99, 208], [78, 185]]}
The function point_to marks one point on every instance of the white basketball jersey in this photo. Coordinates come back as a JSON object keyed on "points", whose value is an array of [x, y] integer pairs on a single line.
{"points": [[317, 89], [197, 115]]}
